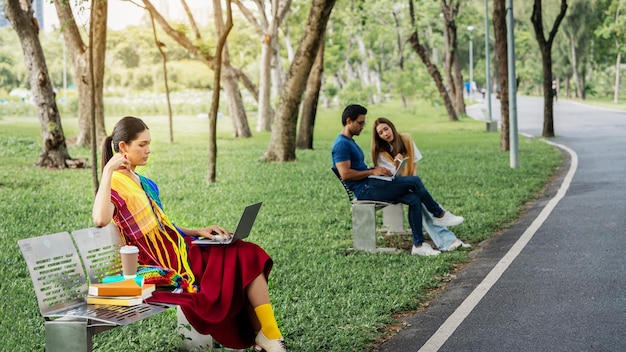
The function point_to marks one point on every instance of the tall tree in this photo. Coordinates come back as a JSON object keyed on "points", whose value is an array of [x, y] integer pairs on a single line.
{"points": [[54, 153], [502, 69], [311, 98], [545, 46], [282, 145], [79, 54], [267, 28], [197, 48], [422, 52], [614, 27], [222, 31], [575, 28], [450, 10]]}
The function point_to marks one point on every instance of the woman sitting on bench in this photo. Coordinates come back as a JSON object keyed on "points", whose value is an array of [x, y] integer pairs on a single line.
{"points": [[224, 288]]}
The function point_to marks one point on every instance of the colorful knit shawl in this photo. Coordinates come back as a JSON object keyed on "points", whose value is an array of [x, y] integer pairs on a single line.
{"points": [[140, 218]]}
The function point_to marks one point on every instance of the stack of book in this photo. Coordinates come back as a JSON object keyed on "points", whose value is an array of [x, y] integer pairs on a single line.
{"points": [[130, 292]]}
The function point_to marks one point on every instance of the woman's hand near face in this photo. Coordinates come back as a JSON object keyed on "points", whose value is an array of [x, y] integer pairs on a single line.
{"points": [[103, 208], [117, 162]]}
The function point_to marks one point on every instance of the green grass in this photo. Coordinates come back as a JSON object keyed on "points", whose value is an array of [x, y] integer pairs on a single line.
{"points": [[325, 299]]}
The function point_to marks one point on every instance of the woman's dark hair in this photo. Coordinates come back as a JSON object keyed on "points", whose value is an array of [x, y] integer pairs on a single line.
{"points": [[379, 145], [125, 130]]}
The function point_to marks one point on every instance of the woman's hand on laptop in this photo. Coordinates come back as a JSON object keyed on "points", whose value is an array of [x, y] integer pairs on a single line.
{"points": [[215, 232]]}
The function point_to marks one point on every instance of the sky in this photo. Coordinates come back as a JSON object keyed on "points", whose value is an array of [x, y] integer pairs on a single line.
{"points": [[123, 13]]}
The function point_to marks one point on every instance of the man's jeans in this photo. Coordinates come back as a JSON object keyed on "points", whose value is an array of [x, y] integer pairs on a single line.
{"points": [[407, 190]]}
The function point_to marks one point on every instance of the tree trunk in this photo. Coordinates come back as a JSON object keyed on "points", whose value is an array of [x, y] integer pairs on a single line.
{"points": [[453, 69], [363, 67], [223, 31], [54, 152], [79, 55], [579, 85], [311, 98], [282, 146], [500, 34], [235, 100], [545, 47], [278, 73], [270, 59], [435, 74], [265, 111]]}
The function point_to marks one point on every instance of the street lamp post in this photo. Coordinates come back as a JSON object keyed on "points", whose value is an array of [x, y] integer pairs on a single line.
{"points": [[492, 126], [471, 62]]}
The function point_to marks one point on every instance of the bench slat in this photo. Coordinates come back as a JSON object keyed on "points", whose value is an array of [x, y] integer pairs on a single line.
{"points": [[56, 272], [99, 248]]}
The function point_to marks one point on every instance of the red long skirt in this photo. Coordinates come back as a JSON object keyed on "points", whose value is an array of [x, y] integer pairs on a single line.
{"points": [[220, 308]]}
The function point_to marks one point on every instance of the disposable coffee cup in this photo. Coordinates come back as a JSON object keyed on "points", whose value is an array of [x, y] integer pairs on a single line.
{"points": [[130, 257]]}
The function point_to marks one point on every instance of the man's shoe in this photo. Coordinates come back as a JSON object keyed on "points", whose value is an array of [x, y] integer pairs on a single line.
{"points": [[267, 345], [448, 219], [425, 250]]}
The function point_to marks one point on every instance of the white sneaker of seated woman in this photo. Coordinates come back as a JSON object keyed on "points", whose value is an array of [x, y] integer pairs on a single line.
{"points": [[456, 244], [448, 219]]}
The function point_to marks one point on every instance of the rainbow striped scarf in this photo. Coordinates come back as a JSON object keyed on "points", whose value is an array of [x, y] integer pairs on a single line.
{"points": [[141, 220]]}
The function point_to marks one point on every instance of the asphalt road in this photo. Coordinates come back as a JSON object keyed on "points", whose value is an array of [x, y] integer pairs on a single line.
{"points": [[555, 281]]}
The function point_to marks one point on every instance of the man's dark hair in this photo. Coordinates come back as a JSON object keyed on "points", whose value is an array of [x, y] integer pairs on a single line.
{"points": [[352, 111]]}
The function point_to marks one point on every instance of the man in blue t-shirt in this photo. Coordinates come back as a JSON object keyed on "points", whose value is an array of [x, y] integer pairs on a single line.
{"points": [[349, 161]]}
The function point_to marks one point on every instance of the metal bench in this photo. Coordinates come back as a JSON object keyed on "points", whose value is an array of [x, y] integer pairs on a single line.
{"points": [[364, 220], [61, 286]]}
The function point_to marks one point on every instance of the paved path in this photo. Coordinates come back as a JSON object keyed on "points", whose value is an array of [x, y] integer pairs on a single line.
{"points": [[556, 281]]}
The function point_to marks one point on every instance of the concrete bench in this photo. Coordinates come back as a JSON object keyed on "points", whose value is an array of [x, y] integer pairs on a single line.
{"points": [[61, 286], [364, 220]]}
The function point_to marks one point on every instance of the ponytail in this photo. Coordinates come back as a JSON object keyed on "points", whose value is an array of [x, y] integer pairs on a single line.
{"points": [[107, 150]]}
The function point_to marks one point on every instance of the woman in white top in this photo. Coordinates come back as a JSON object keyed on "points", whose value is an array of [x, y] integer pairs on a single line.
{"points": [[388, 149]]}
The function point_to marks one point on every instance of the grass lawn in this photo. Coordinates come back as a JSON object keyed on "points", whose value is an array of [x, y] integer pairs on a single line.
{"points": [[325, 298]]}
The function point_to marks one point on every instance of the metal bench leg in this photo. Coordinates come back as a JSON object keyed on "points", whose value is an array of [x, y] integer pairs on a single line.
{"points": [[364, 227], [393, 219], [66, 334], [192, 339]]}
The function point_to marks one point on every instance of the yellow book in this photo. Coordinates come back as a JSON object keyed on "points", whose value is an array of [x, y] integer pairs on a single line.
{"points": [[115, 301]]}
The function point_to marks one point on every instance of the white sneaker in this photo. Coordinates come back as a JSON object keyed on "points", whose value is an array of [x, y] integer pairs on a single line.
{"points": [[425, 249], [456, 244], [267, 345], [448, 219]]}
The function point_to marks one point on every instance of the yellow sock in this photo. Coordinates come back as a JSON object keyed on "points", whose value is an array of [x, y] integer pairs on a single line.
{"points": [[265, 314]]}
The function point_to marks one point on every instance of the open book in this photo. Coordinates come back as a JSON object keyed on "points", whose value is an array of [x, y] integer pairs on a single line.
{"points": [[397, 172]]}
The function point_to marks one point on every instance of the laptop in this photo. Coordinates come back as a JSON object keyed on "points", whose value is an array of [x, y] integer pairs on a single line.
{"points": [[241, 231], [397, 172]]}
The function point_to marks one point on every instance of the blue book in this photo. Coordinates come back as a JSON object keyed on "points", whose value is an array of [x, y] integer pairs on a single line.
{"points": [[117, 278]]}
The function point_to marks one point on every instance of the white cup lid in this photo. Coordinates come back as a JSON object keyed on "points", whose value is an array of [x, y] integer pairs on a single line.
{"points": [[129, 250]]}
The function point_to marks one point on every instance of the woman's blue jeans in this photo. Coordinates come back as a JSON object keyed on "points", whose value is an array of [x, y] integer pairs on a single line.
{"points": [[441, 235], [407, 190]]}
